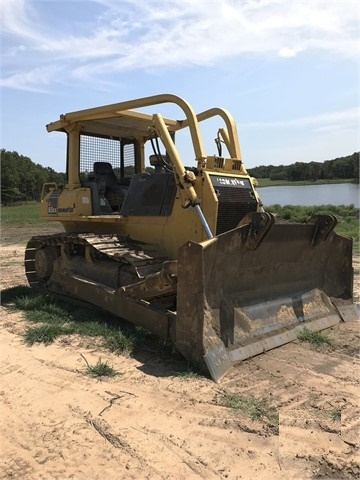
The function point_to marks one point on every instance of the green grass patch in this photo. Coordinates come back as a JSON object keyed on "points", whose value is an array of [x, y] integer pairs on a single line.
{"points": [[120, 341], [27, 213], [255, 408], [189, 372], [43, 316], [317, 338], [51, 316], [44, 303], [100, 369], [9, 295], [46, 333], [335, 415]]}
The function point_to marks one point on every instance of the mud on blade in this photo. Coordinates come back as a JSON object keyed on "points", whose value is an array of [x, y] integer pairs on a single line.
{"points": [[251, 289]]}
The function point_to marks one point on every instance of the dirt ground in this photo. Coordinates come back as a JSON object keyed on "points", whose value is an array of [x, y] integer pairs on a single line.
{"points": [[147, 423]]}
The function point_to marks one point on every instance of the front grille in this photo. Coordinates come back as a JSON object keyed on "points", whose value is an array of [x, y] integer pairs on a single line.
{"points": [[236, 199]]}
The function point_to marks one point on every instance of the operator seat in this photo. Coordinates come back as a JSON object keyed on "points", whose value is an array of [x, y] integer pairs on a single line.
{"points": [[109, 185]]}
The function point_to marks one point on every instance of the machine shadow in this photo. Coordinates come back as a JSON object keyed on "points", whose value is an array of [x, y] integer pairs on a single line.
{"points": [[157, 357]]}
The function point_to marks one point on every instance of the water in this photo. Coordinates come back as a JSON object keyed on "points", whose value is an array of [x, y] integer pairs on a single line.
{"points": [[308, 195]]}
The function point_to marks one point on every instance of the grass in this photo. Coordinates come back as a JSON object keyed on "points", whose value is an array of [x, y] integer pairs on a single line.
{"points": [[100, 369], [335, 415], [189, 372], [45, 333], [27, 213], [255, 408], [316, 338], [50, 317], [120, 342]]}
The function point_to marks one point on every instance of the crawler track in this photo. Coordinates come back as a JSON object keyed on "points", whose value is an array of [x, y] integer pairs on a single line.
{"points": [[100, 247]]}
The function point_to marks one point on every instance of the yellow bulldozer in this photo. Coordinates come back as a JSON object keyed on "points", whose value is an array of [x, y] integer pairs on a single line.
{"points": [[187, 252]]}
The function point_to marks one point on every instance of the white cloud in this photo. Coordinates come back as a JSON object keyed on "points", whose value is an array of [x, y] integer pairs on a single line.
{"points": [[134, 35], [36, 80], [14, 19], [288, 52]]}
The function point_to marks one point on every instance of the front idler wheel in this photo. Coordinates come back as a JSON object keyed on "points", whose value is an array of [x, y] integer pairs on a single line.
{"points": [[44, 260]]}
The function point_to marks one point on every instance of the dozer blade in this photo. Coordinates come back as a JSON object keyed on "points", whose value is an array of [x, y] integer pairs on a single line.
{"points": [[253, 288]]}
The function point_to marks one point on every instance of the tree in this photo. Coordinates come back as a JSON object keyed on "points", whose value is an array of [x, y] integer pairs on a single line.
{"points": [[22, 179]]}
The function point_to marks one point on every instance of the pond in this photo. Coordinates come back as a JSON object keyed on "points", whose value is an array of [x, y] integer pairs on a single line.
{"points": [[308, 195]]}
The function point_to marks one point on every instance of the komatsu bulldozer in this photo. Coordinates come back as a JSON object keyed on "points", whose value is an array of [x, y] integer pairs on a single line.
{"points": [[188, 252]]}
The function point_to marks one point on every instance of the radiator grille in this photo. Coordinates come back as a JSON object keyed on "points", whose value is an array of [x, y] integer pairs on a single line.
{"points": [[236, 199]]}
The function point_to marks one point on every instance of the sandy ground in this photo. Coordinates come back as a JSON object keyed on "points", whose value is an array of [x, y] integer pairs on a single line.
{"points": [[58, 423]]}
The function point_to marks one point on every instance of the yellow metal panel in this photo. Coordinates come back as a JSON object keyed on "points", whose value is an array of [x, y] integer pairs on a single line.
{"points": [[67, 203]]}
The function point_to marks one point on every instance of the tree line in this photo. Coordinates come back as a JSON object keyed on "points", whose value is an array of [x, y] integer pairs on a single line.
{"points": [[342, 167]]}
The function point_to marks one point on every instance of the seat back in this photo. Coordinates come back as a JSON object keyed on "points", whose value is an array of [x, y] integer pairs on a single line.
{"points": [[104, 171], [109, 186]]}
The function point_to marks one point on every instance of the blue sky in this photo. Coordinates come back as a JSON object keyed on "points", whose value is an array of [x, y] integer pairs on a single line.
{"points": [[288, 71]]}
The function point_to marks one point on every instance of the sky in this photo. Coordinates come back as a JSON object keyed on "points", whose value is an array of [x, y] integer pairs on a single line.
{"points": [[288, 71]]}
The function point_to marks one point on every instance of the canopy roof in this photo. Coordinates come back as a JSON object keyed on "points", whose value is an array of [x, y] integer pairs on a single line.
{"points": [[118, 120]]}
